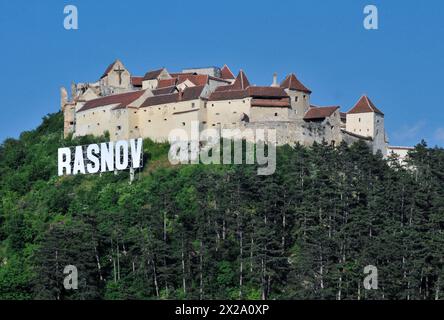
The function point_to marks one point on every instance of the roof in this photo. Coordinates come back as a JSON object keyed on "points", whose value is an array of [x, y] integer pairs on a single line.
{"points": [[166, 83], [284, 103], [136, 81], [292, 83], [241, 81], [319, 113], [228, 95], [197, 79], [165, 90], [225, 73], [122, 99], [270, 92], [191, 93], [256, 92], [108, 69], [365, 105], [152, 75]]}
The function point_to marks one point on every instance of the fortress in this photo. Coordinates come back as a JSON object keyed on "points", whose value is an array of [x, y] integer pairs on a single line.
{"points": [[153, 105]]}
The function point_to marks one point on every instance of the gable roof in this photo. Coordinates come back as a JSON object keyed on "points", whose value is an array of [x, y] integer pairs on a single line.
{"points": [[319, 113], [109, 69], [122, 99], [197, 79], [164, 90], [241, 81], [166, 83], [292, 83], [365, 105], [225, 73], [191, 93], [136, 81], [152, 75], [255, 92]]}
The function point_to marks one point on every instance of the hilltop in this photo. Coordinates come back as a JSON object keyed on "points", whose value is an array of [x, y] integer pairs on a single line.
{"points": [[221, 231]]}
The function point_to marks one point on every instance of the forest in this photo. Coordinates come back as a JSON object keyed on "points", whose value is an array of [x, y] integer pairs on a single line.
{"points": [[221, 231]]}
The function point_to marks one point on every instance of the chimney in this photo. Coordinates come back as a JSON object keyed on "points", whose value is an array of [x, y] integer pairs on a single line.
{"points": [[275, 81]]}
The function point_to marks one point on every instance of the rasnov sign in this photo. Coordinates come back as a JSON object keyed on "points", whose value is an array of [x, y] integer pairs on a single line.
{"points": [[103, 157]]}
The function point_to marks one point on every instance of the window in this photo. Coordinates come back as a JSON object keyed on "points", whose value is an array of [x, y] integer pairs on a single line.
{"points": [[144, 110], [243, 101], [135, 112], [217, 113], [94, 113], [234, 112], [193, 105], [305, 97], [212, 104], [98, 124], [165, 119], [359, 119], [104, 111], [136, 127], [119, 127], [296, 99], [276, 114], [183, 123]]}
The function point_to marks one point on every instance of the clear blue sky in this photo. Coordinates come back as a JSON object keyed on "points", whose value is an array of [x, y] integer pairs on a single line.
{"points": [[400, 66]]}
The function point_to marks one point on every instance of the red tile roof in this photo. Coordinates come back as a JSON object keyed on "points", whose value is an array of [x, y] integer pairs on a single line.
{"points": [[197, 79], [241, 81], [152, 75], [225, 73], [284, 103], [270, 92], [228, 95], [123, 100], [292, 83], [365, 105], [319, 113], [136, 81], [165, 90], [191, 93], [224, 93], [166, 83]]}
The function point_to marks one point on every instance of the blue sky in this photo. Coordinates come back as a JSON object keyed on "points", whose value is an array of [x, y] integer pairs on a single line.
{"points": [[400, 66]]}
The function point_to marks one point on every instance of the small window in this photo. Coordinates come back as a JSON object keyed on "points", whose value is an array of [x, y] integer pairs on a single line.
{"points": [[234, 112], [144, 110], [243, 101], [104, 110], [217, 113], [136, 127], [71, 122], [193, 105], [296, 99], [135, 112], [183, 123], [94, 113], [119, 127], [204, 122], [98, 124], [305, 97], [213, 125], [229, 102], [212, 104], [276, 114], [149, 120], [165, 119], [359, 119]]}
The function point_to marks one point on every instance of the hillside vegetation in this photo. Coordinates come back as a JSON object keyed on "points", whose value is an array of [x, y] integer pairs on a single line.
{"points": [[221, 231]]}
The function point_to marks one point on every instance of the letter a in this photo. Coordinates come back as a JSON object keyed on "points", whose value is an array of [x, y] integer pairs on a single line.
{"points": [[371, 21], [71, 21]]}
